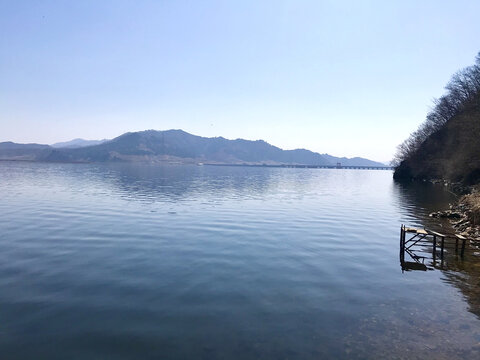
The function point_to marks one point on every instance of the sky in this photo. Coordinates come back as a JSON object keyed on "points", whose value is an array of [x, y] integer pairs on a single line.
{"points": [[348, 78]]}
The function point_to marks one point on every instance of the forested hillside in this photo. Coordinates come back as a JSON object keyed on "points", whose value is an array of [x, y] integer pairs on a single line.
{"points": [[447, 144]]}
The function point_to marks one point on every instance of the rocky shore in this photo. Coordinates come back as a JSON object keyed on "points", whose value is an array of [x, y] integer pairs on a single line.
{"points": [[464, 215]]}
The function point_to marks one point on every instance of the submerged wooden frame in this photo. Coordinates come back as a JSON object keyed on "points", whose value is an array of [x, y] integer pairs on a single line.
{"points": [[415, 237]]}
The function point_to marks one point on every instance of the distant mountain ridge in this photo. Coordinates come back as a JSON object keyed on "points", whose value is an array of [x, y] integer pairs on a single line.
{"points": [[175, 146], [77, 143], [12, 151]]}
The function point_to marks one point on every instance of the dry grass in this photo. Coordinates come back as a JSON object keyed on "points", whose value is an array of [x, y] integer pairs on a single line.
{"points": [[472, 203]]}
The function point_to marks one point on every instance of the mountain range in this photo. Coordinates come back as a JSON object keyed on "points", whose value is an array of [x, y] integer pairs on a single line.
{"points": [[76, 143], [172, 146]]}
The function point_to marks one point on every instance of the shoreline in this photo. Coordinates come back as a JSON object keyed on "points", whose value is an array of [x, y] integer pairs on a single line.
{"points": [[464, 214]]}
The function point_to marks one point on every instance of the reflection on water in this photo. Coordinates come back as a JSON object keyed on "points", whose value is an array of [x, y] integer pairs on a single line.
{"points": [[135, 261], [464, 273], [419, 199]]}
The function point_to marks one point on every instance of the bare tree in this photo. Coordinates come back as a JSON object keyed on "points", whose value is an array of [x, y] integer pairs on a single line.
{"points": [[463, 90]]}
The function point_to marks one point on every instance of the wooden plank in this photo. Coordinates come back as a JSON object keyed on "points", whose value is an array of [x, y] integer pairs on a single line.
{"points": [[460, 237], [416, 231], [435, 233]]}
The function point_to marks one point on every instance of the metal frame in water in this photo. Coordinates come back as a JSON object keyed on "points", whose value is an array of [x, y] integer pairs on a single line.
{"points": [[412, 240]]}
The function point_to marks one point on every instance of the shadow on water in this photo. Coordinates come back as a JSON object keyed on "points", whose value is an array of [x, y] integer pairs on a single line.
{"points": [[419, 200]]}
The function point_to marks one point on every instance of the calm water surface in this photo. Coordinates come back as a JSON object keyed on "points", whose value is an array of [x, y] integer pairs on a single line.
{"points": [[198, 262]]}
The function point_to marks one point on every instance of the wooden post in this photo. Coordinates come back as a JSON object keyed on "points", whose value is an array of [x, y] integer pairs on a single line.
{"points": [[456, 244], [443, 246], [463, 246], [402, 243], [434, 247]]}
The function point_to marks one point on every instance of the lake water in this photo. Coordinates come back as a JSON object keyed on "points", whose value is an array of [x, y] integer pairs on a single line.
{"points": [[199, 262]]}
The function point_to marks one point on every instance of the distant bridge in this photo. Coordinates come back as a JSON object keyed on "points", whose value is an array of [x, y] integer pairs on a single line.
{"points": [[341, 167], [338, 166]]}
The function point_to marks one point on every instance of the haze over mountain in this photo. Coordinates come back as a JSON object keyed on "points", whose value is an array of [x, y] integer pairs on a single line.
{"points": [[77, 143], [175, 146]]}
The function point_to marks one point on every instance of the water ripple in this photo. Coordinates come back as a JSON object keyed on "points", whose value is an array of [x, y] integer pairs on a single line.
{"points": [[136, 261]]}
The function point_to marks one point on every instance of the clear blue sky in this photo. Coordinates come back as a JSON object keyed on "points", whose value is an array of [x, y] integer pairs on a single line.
{"points": [[351, 78]]}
